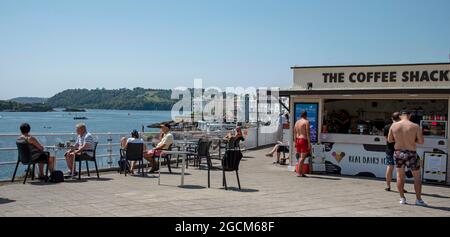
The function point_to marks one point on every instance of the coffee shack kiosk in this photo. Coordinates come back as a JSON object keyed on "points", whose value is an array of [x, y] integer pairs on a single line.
{"points": [[348, 107]]}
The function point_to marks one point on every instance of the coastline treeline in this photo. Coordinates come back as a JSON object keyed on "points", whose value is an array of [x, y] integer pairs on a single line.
{"points": [[13, 106], [119, 99]]}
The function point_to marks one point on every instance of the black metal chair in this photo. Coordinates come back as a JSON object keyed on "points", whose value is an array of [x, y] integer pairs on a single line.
{"points": [[25, 157], [191, 148], [167, 158], [134, 152], [230, 162], [202, 151], [203, 148], [86, 158], [126, 165]]}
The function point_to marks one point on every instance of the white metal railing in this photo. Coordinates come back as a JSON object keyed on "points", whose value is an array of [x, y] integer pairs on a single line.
{"points": [[107, 148], [109, 145]]}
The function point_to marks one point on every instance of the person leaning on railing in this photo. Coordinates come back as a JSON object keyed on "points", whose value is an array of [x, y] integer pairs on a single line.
{"points": [[36, 150], [133, 139], [83, 146], [164, 144]]}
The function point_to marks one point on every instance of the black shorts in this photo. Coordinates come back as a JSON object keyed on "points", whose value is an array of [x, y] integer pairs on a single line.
{"points": [[83, 156], [40, 157], [283, 149], [390, 158]]}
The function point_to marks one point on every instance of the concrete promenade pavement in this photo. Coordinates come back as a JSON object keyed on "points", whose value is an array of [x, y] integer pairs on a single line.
{"points": [[267, 191]]}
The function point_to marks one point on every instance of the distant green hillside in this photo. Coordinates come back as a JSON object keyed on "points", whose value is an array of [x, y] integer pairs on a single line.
{"points": [[18, 107], [29, 100], [121, 99]]}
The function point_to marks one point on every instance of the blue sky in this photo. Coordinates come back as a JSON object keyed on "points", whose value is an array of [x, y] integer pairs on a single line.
{"points": [[47, 46]]}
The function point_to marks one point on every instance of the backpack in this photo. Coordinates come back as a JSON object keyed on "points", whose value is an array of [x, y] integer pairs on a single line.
{"points": [[56, 176], [123, 165]]}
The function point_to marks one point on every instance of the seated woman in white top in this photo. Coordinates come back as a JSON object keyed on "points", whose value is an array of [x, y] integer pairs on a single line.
{"points": [[135, 140]]}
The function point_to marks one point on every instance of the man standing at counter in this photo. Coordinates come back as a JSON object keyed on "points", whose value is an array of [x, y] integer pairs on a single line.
{"points": [[406, 134], [390, 149], [302, 140]]}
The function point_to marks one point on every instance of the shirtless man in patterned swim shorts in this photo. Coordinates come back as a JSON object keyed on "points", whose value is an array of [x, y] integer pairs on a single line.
{"points": [[406, 135]]}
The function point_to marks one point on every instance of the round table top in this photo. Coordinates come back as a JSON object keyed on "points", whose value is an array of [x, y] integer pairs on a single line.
{"points": [[53, 147]]}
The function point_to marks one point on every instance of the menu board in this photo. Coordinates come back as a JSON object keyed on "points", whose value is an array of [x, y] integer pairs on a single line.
{"points": [[435, 167], [312, 110]]}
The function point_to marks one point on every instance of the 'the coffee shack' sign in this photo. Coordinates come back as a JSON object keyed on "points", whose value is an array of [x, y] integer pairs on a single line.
{"points": [[386, 77], [373, 77]]}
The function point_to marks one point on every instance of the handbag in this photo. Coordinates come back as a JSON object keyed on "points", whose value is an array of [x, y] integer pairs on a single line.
{"points": [[56, 176]]}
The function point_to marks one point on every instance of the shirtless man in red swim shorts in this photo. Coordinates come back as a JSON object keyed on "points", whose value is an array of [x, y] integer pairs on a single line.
{"points": [[302, 140]]}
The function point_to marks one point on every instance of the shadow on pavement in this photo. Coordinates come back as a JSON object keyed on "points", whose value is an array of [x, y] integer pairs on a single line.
{"points": [[75, 181], [6, 200], [427, 195], [244, 190], [42, 183], [434, 195], [146, 176], [192, 187], [99, 180], [325, 178], [439, 208], [173, 173]]}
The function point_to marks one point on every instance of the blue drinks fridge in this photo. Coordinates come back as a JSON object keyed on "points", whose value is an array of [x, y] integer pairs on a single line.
{"points": [[312, 110]]}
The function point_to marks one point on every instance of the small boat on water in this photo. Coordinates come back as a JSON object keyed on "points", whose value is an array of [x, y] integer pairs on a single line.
{"points": [[80, 118], [74, 110]]}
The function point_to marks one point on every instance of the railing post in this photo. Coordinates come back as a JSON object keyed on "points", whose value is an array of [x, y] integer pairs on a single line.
{"points": [[257, 118], [110, 151]]}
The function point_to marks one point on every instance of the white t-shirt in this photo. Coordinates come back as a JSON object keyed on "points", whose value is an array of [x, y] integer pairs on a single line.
{"points": [[135, 140], [167, 140], [87, 139]]}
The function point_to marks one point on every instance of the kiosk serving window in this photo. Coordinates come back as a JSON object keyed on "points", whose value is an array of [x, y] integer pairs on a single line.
{"points": [[369, 117]]}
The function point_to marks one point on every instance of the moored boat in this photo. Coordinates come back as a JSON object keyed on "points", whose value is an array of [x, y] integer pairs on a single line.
{"points": [[80, 118]]}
